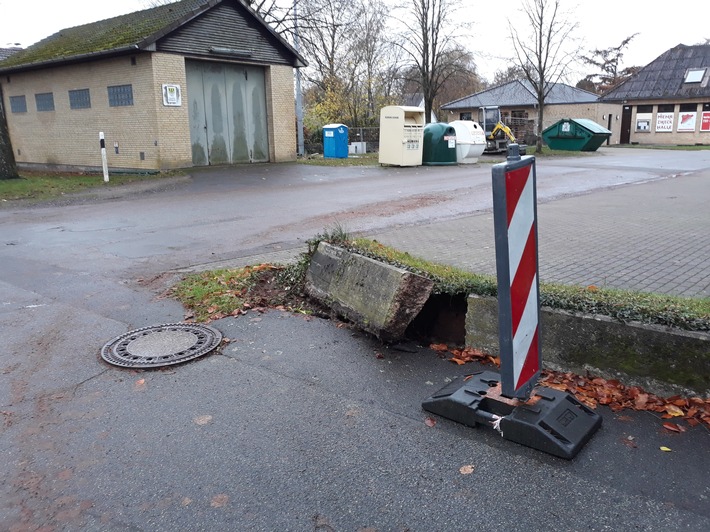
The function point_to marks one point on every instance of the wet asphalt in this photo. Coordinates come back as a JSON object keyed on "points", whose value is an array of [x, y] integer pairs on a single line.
{"points": [[298, 423]]}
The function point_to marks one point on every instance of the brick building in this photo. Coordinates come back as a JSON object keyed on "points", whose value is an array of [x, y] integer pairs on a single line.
{"points": [[518, 105], [668, 100], [192, 83]]}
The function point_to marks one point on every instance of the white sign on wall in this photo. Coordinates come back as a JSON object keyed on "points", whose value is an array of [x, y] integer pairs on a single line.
{"points": [[643, 122], [664, 122], [172, 95], [686, 121]]}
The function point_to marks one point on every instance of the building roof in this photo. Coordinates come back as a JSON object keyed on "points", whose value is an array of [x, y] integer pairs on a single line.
{"points": [[520, 93], [7, 52], [665, 77], [114, 36]]}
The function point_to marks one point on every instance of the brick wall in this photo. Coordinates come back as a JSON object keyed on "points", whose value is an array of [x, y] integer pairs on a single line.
{"points": [[173, 122], [673, 137], [71, 136], [281, 113], [598, 112]]}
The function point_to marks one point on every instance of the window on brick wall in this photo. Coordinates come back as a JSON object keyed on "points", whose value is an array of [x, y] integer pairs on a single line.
{"points": [[120, 95], [80, 99], [666, 107], [18, 104], [44, 101]]}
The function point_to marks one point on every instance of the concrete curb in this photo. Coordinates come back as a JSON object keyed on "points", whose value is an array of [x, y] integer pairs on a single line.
{"points": [[659, 359]]}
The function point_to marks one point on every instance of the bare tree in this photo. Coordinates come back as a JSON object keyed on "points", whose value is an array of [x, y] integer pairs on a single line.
{"points": [[429, 45], [546, 51], [608, 62]]}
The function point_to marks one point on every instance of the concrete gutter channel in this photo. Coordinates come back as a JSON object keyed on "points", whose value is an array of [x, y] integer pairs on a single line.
{"points": [[383, 300]]}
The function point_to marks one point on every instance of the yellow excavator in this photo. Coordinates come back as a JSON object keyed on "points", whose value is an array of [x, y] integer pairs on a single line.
{"points": [[498, 135]]}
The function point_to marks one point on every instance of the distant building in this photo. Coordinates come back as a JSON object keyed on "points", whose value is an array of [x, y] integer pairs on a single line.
{"points": [[7, 52], [192, 83], [518, 104], [668, 100]]}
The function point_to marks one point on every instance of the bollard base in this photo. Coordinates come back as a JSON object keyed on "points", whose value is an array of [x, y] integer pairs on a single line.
{"points": [[550, 421]]}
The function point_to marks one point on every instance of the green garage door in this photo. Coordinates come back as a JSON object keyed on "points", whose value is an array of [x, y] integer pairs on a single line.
{"points": [[227, 105]]}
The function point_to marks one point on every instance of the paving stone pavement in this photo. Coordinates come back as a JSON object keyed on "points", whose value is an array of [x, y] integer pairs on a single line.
{"points": [[650, 237]]}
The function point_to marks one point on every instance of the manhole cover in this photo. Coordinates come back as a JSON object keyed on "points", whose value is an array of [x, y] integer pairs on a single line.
{"points": [[161, 345]]}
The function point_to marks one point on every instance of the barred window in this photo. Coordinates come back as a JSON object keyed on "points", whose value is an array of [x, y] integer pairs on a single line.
{"points": [[44, 101], [80, 99], [120, 95], [18, 104]]}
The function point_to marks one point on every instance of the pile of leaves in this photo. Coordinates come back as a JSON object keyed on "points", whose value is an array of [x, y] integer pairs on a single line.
{"points": [[594, 391]]}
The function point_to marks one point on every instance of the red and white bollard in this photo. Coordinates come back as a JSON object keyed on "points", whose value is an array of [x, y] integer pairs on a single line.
{"points": [[509, 402]]}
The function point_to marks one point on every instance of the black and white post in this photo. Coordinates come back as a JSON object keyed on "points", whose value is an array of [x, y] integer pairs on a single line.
{"points": [[104, 162]]}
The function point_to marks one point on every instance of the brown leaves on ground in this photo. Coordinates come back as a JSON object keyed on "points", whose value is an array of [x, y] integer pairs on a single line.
{"points": [[594, 391]]}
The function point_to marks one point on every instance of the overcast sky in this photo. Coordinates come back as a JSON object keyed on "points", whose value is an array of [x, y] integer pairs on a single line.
{"points": [[602, 24]]}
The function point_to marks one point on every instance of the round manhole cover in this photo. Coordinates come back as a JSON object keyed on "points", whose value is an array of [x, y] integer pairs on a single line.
{"points": [[161, 345]]}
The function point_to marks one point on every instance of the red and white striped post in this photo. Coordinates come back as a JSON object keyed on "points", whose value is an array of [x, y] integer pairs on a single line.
{"points": [[515, 221]]}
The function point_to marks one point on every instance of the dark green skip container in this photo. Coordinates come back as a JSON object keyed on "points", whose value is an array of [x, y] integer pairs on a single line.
{"points": [[575, 134], [439, 146]]}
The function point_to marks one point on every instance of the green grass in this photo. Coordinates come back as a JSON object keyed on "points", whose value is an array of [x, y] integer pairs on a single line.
{"points": [[38, 187], [217, 293], [677, 147], [367, 159]]}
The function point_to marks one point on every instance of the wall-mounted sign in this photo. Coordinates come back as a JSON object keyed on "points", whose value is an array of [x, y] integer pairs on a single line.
{"points": [[172, 95], [664, 122], [705, 121], [686, 121], [643, 122]]}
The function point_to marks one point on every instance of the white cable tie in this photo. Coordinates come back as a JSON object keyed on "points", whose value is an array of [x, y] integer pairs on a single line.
{"points": [[496, 423]]}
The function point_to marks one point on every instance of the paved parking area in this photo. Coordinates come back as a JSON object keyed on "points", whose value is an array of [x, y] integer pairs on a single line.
{"points": [[651, 237]]}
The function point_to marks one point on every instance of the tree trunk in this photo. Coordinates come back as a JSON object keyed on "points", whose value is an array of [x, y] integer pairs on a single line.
{"points": [[540, 116], [8, 167]]}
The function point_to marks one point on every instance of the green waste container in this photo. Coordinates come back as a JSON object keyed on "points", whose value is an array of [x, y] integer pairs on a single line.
{"points": [[575, 134], [439, 145]]}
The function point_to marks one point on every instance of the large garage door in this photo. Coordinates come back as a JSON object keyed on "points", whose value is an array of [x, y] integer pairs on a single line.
{"points": [[227, 106]]}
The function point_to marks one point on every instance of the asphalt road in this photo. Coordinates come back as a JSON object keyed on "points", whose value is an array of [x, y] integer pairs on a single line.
{"points": [[297, 424]]}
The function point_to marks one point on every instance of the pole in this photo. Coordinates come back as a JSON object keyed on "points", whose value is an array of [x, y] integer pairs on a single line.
{"points": [[104, 162]]}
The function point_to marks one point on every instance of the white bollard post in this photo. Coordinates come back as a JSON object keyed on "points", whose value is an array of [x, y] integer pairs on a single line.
{"points": [[104, 162]]}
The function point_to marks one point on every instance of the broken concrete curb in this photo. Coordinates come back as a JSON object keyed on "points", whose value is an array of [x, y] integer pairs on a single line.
{"points": [[380, 298]]}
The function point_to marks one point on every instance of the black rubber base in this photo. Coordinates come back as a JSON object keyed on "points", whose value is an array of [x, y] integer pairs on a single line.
{"points": [[552, 421]]}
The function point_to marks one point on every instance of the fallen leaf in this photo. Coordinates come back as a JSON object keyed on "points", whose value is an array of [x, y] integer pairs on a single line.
{"points": [[430, 422], [592, 288], [466, 470], [218, 501], [674, 411], [458, 361], [202, 420], [139, 385], [671, 426], [665, 449], [439, 347], [379, 355], [185, 501]]}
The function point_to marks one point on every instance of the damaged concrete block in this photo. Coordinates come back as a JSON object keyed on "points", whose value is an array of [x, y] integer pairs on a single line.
{"points": [[379, 298]]}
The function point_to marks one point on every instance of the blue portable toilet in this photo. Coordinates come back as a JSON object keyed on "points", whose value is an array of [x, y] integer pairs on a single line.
{"points": [[335, 141]]}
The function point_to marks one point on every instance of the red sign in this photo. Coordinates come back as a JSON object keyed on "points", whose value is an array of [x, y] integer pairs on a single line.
{"points": [[705, 121], [515, 219]]}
